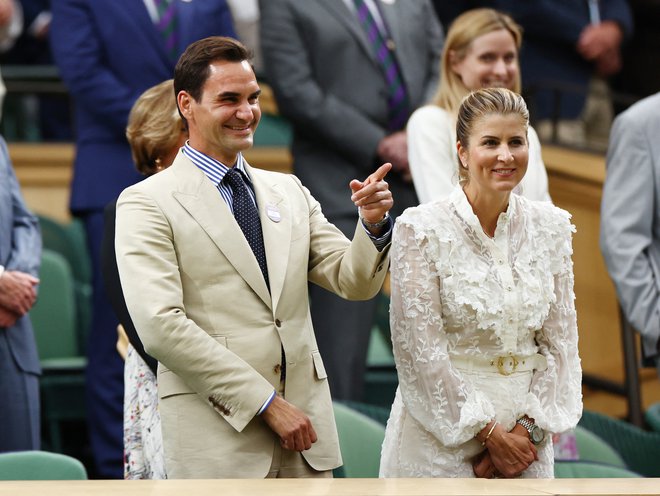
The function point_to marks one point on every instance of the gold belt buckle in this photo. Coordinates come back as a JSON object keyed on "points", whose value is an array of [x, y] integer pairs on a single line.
{"points": [[507, 365]]}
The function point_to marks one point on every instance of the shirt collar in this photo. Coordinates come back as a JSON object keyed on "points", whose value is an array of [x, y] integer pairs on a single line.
{"points": [[212, 168]]}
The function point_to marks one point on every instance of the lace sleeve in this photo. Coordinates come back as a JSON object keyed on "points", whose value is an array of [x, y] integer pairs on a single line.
{"points": [[433, 391], [555, 397]]}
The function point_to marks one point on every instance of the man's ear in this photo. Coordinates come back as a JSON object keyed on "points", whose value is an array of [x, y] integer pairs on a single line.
{"points": [[184, 101]]}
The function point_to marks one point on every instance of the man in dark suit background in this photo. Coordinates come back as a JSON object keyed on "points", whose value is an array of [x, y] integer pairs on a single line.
{"points": [[108, 53], [329, 83], [20, 255]]}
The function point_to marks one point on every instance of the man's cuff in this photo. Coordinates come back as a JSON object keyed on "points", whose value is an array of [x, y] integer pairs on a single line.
{"points": [[267, 403], [381, 241], [2, 270]]}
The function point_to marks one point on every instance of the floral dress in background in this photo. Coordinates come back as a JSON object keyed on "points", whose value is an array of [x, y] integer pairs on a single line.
{"points": [[143, 441]]}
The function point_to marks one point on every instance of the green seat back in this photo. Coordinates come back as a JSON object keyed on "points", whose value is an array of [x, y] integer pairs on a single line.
{"points": [[69, 241], [360, 440], [590, 470], [639, 448], [274, 130], [652, 416], [40, 465], [378, 413], [54, 314], [592, 448]]}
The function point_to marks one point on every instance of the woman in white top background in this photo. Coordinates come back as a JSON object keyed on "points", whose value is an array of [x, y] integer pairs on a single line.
{"points": [[480, 51], [482, 314]]}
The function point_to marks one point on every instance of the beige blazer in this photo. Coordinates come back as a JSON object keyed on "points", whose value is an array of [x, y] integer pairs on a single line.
{"points": [[201, 307]]}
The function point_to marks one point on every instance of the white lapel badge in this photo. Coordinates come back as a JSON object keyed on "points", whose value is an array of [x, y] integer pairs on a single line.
{"points": [[273, 212]]}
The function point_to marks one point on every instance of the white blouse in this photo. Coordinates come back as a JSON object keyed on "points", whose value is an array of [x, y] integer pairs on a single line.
{"points": [[458, 293], [433, 158]]}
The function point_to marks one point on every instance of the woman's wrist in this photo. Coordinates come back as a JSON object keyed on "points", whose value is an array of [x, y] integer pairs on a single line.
{"points": [[483, 433], [519, 430]]}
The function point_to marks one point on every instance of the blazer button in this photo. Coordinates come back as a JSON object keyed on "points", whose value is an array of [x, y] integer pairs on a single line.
{"points": [[277, 368], [278, 322]]}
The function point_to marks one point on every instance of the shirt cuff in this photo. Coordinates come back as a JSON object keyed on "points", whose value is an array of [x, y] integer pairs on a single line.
{"points": [[2, 270], [267, 403], [381, 241]]}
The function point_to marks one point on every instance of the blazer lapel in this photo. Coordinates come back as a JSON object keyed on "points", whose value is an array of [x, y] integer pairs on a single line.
{"points": [[203, 202], [341, 12], [275, 216]]}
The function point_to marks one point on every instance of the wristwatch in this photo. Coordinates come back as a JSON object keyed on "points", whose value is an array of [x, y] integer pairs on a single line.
{"points": [[536, 434], [376, 225]]}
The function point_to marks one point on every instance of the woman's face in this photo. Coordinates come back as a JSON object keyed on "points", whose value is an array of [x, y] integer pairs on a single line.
{"points": [[491, 61], [496, 156]]}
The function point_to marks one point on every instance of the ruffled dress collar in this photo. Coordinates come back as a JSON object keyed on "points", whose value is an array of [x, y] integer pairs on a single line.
{"points": [[463, 208]]}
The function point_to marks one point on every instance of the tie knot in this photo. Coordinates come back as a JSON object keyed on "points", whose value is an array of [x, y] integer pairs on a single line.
{"points": [[234, 179]]}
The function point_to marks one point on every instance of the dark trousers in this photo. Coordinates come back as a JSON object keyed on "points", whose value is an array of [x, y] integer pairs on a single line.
{"points": [[105, 369]]}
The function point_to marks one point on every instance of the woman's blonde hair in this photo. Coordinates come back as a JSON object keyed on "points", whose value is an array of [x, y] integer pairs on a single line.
{"points": [[154, 126], [462, 32], [481, 103]]}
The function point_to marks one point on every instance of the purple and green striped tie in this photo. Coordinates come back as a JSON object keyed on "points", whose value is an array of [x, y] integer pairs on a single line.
{"points": [[166, 25], [383, 49]]}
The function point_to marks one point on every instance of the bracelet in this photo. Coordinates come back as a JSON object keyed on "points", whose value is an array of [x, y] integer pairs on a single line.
{"points": [[489, 433], [376, 225]]}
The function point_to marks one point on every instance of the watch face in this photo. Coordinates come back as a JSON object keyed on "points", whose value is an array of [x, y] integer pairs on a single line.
{"points": [[537, 434]]}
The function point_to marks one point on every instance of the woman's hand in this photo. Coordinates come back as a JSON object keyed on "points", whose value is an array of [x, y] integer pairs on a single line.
{"points": [[483, 466], [510, 453]]}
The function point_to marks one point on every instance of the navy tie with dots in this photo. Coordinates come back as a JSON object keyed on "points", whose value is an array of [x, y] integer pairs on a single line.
{"points": [[247, 217]]}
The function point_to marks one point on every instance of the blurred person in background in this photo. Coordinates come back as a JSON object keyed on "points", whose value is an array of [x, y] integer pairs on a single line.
{"points": [[20, 257], [347, 74], [11, 26], [571, 49], [630, 219], [480, 51]]}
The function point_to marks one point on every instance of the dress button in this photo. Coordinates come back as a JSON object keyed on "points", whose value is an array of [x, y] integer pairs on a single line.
{"points": [[509, 288], [278, 322], [500, 261]]}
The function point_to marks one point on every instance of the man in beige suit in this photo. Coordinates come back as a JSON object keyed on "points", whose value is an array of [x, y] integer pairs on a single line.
{"points": [[243, 391]]}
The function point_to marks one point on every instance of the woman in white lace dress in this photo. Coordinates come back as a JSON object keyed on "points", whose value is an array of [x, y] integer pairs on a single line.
{"points": [[482, 315]]}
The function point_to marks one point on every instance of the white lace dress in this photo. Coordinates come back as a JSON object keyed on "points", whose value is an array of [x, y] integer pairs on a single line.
{"points": [[458, 293]]}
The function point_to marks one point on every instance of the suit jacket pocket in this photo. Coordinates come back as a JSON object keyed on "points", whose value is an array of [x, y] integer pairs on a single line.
{"points": [[318, 365]]}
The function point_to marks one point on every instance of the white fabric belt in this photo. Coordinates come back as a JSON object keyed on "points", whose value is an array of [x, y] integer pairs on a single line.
{"points": [[504, 365]]}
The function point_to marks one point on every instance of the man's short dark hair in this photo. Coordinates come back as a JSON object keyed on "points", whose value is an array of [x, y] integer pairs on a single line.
{"points": [[192, 69]]}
